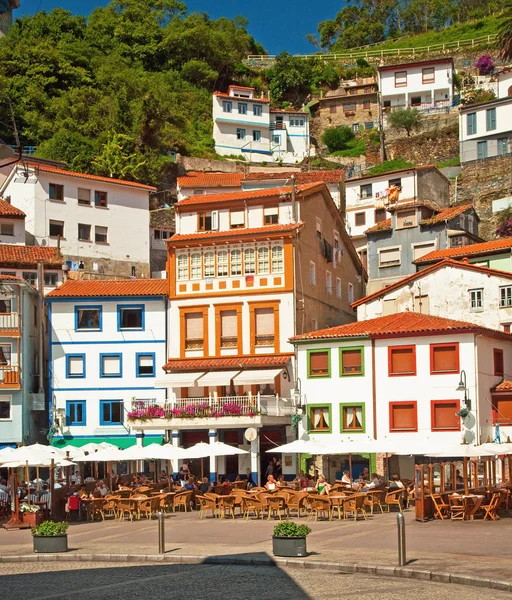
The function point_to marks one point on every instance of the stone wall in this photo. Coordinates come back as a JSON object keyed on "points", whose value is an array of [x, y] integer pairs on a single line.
{"points": [[432, 123], [331, 114], [189, 163], [105, 268], [426, 148]]}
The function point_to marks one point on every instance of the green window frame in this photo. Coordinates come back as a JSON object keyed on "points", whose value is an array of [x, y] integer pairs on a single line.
{"points": [[311, 409], [352, 349], [363, 417], [321, 375]]}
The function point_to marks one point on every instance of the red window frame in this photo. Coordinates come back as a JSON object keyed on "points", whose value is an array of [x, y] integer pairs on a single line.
{"points": [[499, 365], [413, 403], [433, 79], [433, 404], [497, 418], [457, 356], [390, 360], [401, 84]]}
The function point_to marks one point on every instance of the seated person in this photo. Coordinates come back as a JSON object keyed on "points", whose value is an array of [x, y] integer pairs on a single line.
{"points": [[281, 482], [396, 484], [271, 483], [190, 484], [226, 485], [374, 483], [322, 486], [104, 491], [311, 481], [364, 475], [303, 481], [345, 480], [248, 476], [205, 486]]}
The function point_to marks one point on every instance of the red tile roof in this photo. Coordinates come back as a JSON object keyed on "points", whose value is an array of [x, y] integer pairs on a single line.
{"points": [[327, 176], [447, 214], [382, 226], [10, 278], [105, 288], [234, 196], [235, 362], [398, 325], [8, 210], [198, 179], [223, 95], [433, 61], [504, 386], [471, 250], [207, 235], [447, 262], [29, 255], [55, 170]]}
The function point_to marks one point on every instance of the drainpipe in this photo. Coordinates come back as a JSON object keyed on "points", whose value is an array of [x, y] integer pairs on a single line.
{"points": [[374, 392], [478, 428], [40, 299], [294, 201]]}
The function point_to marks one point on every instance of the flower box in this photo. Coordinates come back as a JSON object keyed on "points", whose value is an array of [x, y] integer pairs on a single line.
{"points": [[32, 518]]}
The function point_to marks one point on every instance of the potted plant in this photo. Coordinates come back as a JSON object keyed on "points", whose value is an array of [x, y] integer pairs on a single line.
{"points": [[289, 539], [51, 537], [31, 514]]}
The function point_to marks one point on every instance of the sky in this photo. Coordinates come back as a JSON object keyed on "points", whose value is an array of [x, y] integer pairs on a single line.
{"points": [[277, 24]]}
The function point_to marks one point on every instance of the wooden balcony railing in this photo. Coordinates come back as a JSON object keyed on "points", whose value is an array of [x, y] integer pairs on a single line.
{"points": [[9, 376], [10, 324]]}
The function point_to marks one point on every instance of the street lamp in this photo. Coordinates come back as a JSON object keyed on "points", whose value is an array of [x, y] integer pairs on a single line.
{"points": [[462, 387]]}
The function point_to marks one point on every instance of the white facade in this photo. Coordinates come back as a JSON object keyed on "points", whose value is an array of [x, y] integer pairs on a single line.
{"points": [[505, 83], [12, 231], [255, 184]]}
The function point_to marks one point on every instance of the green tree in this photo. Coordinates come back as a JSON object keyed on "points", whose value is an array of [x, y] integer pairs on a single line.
{"points": [[505, 32], [408, 119], [337, 138]]}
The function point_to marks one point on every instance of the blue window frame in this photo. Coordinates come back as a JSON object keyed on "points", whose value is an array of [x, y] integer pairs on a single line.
{"points": [[240, 134], [258, 110], [75, 413], [111, 412], [276, 140], [256, 135], [490, 118], [482, 150], [88, 318], [227, 106], [145, 364], [242, 108], [111, 365], [471, 123], [502, 146], [75, 366], [130, 316]]}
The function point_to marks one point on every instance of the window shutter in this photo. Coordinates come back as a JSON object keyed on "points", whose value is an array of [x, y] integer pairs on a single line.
{"points": [[390, 256], [351, 360], [194, 326], [498, 362], [271, 210], [445, 417], [228, 324], [111, 365], [444, 359], [237, 217], [75, 365], [404, 416], [402, 360], [264, 321], [319, 362], [503, 410], [146, 361], [423, 250]]}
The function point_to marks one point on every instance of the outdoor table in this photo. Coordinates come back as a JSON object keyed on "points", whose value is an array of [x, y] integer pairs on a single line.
{"points": [[471, 503], [95, 505], [138, 500], [337, 502]]}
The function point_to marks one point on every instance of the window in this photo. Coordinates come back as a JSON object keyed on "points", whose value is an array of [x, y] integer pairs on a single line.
{"points": [[481, 150], [242, 108], [222, 263], [51, 279], [56, 191], [502, 146], [227, 106], [444, 358], [498, 362], [406, 218], [100, 199], [415, 100], [471, 123], [328, 282], [332, 108], [420, 250], [505, 296], [249, 261], [400, 78], [75, 413], [366, 191], [88, 317], [257, 110], [209, 264], [490, 119], [428, 75], [403, 416], [277, 259], [355, 127], [236, 262], [443, 415], [360, 219], [350, 293], [84, 232], [6, 228], [312, 273], [228, 329], [276, 139], [256, 135], [195, 265], [319, 363], [160, 234], [263, 260], [5, 408], [502, 410], [100, 234], [271, 215], [110, 365], [351, 362], [368, 124], [145, 365], [130, 317], [389, 257], [380, 215], [29, 277], [352, 418], [320, 418], [204, 222], [350, 107], [264, 326], [237, 219], [319, 228], [75, 365], [397, 182], [182, 265], [84, 196], [296, 122], [194, 331], [402, 360], [111, 412], [476, 300], [338, 287], [57, 229]]}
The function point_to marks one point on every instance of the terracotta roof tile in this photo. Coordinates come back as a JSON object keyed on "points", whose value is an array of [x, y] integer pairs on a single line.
{"points": [[207, 235], [224, 95], [470, 250], [447, 214], [105, 288], [382, 226], [29, 255], [397, 325], [8, 210], [327, 176], [195, 179], [235, 362], [504, 386]]}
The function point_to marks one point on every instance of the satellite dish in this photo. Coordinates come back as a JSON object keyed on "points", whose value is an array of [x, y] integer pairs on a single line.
{"points": [[43, 242], [251, 434]]}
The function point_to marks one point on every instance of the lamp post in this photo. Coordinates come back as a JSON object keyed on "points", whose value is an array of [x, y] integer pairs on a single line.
{"points": [[462, 387]]}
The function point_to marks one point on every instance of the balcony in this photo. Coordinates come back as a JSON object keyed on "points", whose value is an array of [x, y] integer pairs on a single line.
{"points": [[220, 412], [10, 324], [9, 377], [276, 125]]}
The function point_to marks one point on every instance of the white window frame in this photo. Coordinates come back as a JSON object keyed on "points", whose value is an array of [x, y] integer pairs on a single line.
{"points": [[350, 293], [196, 269], [312, 273], [9, 400], [419, 244], [182, 267], [328, 282], [505, 296], [476, 300], [338, 287], [390, 264]]}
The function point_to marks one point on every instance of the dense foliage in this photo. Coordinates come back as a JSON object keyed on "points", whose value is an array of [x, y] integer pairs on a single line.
{"points": [[505, 33], [337, 138], [50, 529], [291, 529], [116, 94], [390, 165]]}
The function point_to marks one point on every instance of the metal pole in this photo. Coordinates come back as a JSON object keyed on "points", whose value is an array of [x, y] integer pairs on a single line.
{"points": [[161, 533], [402, 560]]}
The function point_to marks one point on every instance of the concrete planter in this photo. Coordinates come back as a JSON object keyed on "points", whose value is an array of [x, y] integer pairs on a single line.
{"points": [[289, 546], [50, 544]]}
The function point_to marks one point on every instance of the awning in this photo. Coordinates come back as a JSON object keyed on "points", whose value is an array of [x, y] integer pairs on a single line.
{"points": [[256, 377], [176, 380], [125, 441], [214, 378]]}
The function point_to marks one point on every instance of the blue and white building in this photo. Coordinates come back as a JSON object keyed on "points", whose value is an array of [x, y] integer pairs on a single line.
{"points": [[107, 345]]}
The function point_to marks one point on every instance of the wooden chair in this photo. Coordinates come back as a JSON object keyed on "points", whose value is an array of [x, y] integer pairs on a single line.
{"points": [[227, 504], [165, 503], [457, 511], [374, 499], [254, 504], [298, 502], [239, 496], [146, 507], [276, 505], [490, 510], [394, 498], [206, 504], [110, 505], [441, 508], [239, 485], [258, 489], [182, 499], [354, 504], [318, 505], [126, 506], [337, 504]]}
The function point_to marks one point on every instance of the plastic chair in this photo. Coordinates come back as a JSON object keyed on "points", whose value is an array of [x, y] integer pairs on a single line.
{"points": [[182, 499], [319, 505], [206, 504]]}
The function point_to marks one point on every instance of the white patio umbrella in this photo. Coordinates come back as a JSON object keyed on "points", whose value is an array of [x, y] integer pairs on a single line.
{"points": [[461, 451], [165, 452], [505, 448], [360, 447], [36, 451], [202, 450], [301, 447], [58, 462], [106, 455]]}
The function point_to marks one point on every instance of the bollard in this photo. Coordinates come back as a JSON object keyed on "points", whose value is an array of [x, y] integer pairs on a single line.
{"points": [[402, 560], [161, 533]]}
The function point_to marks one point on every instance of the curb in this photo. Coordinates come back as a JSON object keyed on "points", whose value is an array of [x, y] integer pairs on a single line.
{"points": [[379, 570]]}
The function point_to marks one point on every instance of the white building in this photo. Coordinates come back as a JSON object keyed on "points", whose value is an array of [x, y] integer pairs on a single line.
{"points": [[201, 182], [12, 224], [161, 227], [504, 77], [244, 125], [100, 224], [424, 85], [107, 346], [449, 288], [395, 379], [485, 130]]}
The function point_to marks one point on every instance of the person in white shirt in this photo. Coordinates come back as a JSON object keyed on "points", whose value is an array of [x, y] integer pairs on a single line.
{"points": [[346, 478], [375, 482], [396, 484]]}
